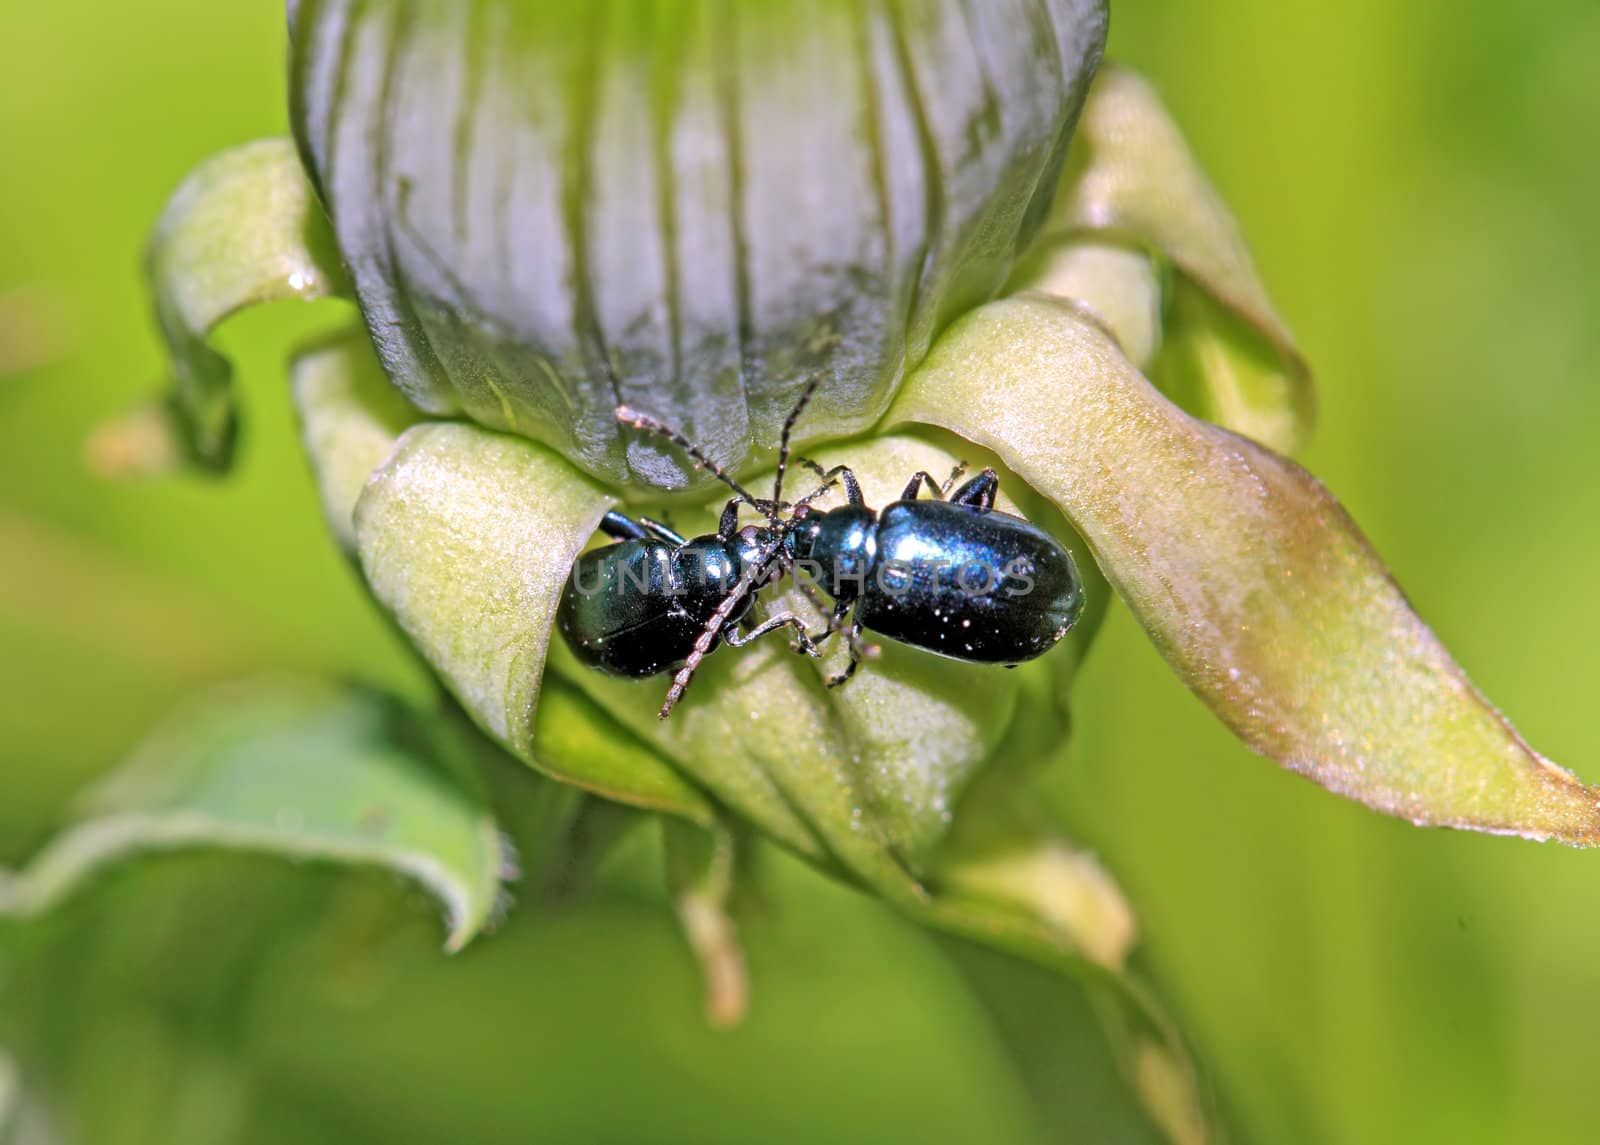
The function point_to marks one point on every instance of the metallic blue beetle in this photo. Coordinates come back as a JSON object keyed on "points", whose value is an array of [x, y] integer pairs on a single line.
{"points": [[639, 607], [954, 576], [655, 600]]}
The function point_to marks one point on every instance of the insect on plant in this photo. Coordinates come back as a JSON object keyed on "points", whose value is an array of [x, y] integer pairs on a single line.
{"points": [[656, 600], [948, 574]]}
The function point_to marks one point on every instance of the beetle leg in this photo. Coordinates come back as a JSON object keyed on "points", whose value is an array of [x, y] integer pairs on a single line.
{"points": [[918, 479], [859, 651], [979, 492], [782, 620], [814, 595], [714, 626], [664, 533], [845, 677], [852, 488], [623, 527], [859, 648], [922, 477], [728, 524]]}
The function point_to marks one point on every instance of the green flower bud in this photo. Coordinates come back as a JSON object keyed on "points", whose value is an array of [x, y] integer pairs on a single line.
{"points": [[551, 208], [1247, 575], [546, 210]]}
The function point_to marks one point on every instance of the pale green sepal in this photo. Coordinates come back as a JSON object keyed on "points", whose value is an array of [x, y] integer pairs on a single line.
{"points": [[245, 228], [1132, 177], [1216, 366], [1031, 869], [350, 417], [467, 537], [1003, 850], [1247, 574], [1120, 286], [350, 420]]}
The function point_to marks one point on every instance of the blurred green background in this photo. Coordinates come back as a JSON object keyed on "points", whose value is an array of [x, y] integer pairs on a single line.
{"points": [[1418, 182]]}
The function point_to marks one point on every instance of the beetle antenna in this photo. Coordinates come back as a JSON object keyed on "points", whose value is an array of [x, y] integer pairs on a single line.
{"points": [[819, 491], [708, 635], [788, 429], [627, 415]]}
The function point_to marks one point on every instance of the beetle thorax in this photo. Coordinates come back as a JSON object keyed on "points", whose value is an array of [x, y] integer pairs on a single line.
{"points": [[837, 549]]}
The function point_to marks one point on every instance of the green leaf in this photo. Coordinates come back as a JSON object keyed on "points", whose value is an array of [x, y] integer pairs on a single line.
{"points": [[1157, 1078], [550, 208], [1247, 574], [295, 768], [573, 852], [242, 230], [1131, 178], [1005, 879]]}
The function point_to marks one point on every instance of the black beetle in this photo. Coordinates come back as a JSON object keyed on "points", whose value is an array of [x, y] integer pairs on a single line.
{"points": [[657, 600], [952, 576], [638, 607]]}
